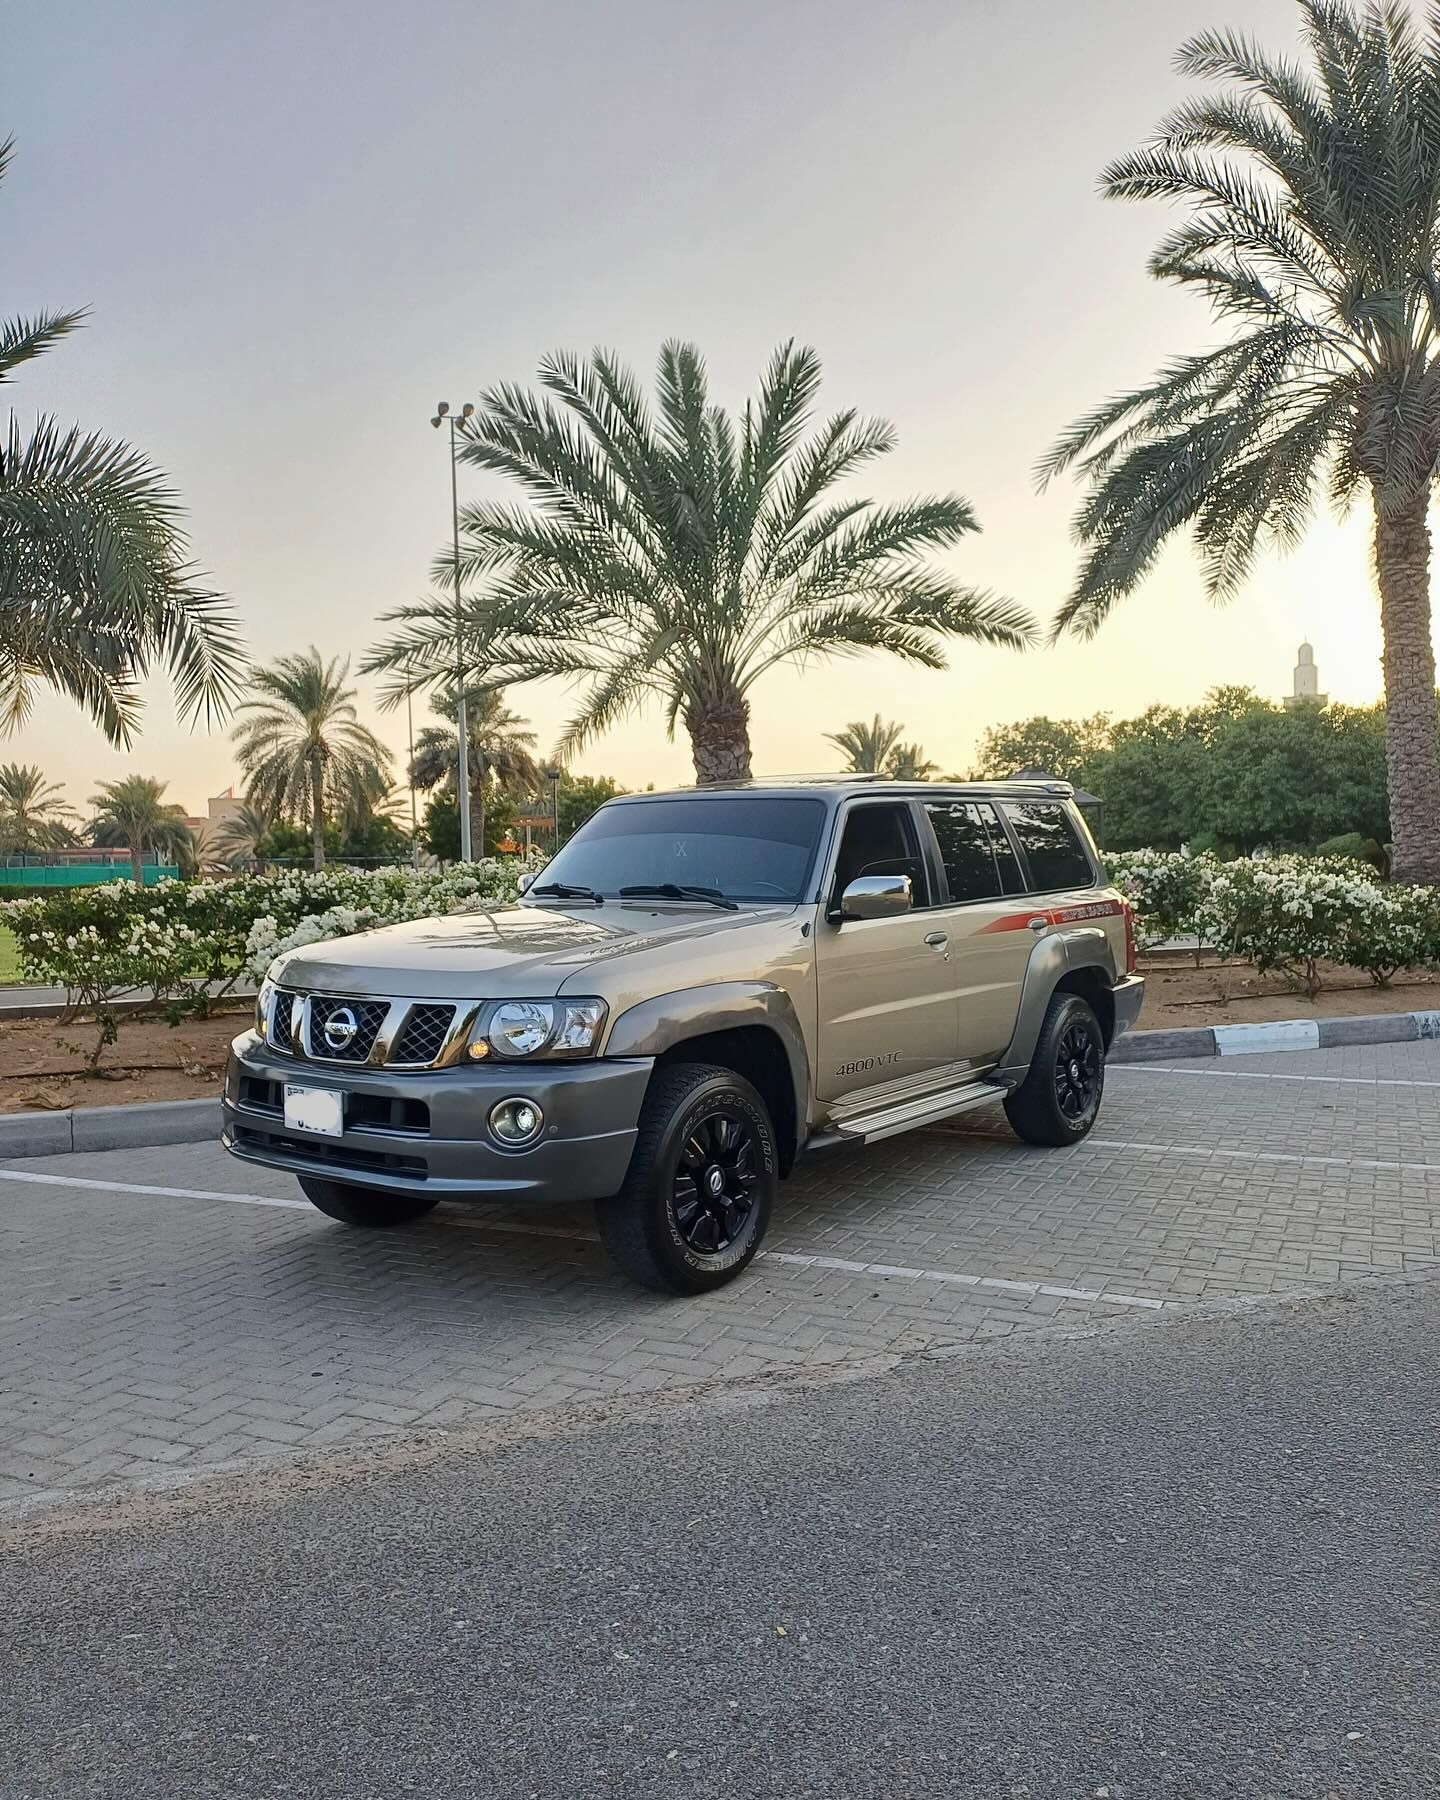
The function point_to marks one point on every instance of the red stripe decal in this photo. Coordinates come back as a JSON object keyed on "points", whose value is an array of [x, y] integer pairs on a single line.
{"points": [[1062, 915]]}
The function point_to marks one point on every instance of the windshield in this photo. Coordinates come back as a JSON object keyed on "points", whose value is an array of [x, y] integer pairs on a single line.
{"points": [[745, 849]]}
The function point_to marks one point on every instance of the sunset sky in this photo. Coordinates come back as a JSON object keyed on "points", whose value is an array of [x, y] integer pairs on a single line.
{"points": [[300, 224]]}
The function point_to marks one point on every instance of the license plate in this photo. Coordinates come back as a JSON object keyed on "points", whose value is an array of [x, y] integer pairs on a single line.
{"points": [[321, 1110]]}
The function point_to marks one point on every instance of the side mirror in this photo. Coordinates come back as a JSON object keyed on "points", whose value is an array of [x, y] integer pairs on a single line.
{"points": [[877, 897], [527, 881]]}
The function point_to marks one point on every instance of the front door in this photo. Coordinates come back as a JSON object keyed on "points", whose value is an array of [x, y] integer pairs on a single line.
{"points": [[887, 1007]]}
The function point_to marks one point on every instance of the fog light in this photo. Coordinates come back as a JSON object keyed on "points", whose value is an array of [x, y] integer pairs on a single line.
{"points": [[516, 1122]]}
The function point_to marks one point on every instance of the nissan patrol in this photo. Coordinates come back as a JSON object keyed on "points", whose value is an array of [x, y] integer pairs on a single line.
{"points": [[698, 988]]}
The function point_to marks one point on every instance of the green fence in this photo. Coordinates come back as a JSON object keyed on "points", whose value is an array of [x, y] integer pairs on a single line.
{"points": [[67, 875]]}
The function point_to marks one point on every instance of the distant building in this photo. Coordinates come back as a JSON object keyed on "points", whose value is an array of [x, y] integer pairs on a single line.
{"points": [[218, 808], [1307, 681]]}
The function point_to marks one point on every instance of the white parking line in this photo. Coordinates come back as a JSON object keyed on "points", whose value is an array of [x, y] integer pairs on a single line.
{"points": [[165, 1193], [1259, 1075], [1267, 1156], [477, 1222]]}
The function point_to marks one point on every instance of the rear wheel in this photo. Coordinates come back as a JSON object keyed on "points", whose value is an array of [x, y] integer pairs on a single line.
{"points": [[1059, 1100], [697, 1198], [364, 1206]]}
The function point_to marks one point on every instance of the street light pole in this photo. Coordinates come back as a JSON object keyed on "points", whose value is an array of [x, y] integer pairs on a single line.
{"points": [[462, 717], [552, 775], [410, 777]]}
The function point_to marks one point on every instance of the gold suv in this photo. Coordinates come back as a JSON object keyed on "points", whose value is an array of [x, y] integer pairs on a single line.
{"points": [[700, 986]]}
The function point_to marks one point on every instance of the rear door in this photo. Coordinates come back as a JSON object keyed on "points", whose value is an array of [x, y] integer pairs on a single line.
{"points": [[887, 1007], [986, 920]]}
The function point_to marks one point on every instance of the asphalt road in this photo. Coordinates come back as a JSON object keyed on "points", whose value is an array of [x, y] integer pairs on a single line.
{"points": [[1189, 1557]]}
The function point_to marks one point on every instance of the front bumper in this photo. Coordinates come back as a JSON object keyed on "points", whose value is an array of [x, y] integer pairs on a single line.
{"points": [[426, 1133], [1129, 994]]}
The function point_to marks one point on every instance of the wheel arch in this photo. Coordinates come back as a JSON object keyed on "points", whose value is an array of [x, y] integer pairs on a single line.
{"points": [[750, 1027], [1077, 961]]}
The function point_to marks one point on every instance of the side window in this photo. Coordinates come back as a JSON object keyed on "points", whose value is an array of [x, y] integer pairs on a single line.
{"points": [[1006, 861], [881, 840], [1053, 850], [966, 849]]}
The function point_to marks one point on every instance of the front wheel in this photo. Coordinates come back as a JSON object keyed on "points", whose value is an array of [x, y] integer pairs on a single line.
{"points": [[364, 1206], [701, 1183], [1059, 1100]]}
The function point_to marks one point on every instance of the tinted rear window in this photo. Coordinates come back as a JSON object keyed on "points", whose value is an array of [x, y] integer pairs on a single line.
{"points": [[754, 850], [1050, 844], [965, 849]]}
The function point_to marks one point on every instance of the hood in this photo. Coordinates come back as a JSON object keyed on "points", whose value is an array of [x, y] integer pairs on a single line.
{"points": [[500, 952]]}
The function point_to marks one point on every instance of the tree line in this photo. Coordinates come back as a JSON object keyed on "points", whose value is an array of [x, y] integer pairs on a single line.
{"points": [[1231, 775]]}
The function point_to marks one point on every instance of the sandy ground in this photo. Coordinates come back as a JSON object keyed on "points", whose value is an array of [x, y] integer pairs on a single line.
{"points": [[42, 1061], [1177, 993]]}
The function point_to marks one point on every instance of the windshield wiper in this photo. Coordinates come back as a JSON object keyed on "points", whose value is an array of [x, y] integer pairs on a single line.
{"points": [[674, 890], [566, 890]]}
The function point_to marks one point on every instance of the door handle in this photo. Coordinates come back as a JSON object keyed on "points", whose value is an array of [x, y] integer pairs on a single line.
{"points": [[937, 940], [1038, 924]]}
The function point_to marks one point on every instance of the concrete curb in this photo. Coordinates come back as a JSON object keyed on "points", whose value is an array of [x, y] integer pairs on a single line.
{"points": [[109, 1127], [1280, 1034]]}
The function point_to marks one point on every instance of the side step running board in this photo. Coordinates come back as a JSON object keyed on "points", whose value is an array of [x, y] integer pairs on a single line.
{"points": [[871, 1127]]}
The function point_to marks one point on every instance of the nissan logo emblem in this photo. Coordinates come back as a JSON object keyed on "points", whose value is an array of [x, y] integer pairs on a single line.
{"points": [[340, 1028]]}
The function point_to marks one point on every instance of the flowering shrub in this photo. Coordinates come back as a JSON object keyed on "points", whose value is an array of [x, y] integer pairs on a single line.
{"points": [[1168, 891], [193, 942], [1288, 912]]}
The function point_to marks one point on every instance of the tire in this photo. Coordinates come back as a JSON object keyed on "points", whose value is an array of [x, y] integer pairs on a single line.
{"points": [[364, 1206], [1059, 1100], [700, 1124]]}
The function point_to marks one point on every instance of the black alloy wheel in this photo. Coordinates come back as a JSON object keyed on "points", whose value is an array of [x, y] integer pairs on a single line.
{"points": [[715, 1182], [1078, 1064], [1059, 1100], [697, 1197]]}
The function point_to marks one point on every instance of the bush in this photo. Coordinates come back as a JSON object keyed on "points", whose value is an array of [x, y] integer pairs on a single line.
{"points": [[1354, 846], [193, 942], [1167, 889], [1287, 913]]}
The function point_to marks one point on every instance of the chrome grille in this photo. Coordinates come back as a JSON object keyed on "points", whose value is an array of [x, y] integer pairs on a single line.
{"points": [[423, 1035], [399, 1033], [362, 1018]]}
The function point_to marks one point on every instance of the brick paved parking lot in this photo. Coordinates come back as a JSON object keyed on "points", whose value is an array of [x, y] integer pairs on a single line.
{"points": [[168, 1311]]}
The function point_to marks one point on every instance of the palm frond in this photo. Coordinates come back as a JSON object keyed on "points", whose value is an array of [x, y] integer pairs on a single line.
{"points": [[95, 589], [1311, 224], [667, 552]]}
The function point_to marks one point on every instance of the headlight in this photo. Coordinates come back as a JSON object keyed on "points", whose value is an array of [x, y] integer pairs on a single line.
{"points": [[521, 1028], [263, 1001]]}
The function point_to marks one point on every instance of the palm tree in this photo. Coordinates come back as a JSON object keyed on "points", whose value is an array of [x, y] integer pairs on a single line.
{"points": [[1313, 228], [96, 586], [32, 814], [677, 554], [502, 752], [866, 748], [908, 762], [237, 839], [133, 814], [302, 748]]}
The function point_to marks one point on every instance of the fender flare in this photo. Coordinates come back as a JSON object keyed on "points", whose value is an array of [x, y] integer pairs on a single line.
{"points": [[1055, 955], [653, 1026]]}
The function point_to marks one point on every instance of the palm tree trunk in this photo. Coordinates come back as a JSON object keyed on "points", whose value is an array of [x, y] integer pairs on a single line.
{"points": [[1412, 732], [720, 738], [137, 864], [317, 814]]}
